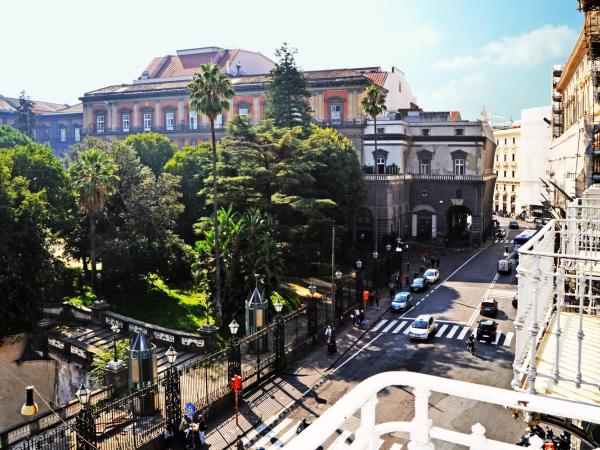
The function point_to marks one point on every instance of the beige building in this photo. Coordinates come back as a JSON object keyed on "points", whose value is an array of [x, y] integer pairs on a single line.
{"points": [[506, 166]]}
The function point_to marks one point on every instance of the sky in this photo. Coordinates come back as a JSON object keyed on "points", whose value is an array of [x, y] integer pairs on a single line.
{"points": [[456, 54]]}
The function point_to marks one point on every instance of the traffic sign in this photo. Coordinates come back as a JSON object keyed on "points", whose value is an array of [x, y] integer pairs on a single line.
{"points": [[190, 409]]}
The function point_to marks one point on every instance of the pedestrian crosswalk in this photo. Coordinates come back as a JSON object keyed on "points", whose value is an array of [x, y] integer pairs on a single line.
{"points": [[446, 330], [281, 434], [501, 241]]}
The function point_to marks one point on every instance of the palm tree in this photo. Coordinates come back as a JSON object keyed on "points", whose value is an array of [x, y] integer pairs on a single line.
{"points": [[210, 92], [372, 102], [94, 178]]}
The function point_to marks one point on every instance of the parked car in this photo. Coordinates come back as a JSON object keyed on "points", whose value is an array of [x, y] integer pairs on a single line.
{"points": [[419, 284], [529, 219], [513, 225], [504, 266], [489, 308], [432, 275], [402, 302], [422, 328], [515, 300], [486, 330]]}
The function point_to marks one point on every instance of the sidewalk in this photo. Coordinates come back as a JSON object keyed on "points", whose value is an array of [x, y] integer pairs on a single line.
{"points": [[270, 403]]}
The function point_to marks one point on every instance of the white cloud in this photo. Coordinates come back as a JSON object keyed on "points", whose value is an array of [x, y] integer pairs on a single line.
{"points": [[542, 45], [456, 94]]}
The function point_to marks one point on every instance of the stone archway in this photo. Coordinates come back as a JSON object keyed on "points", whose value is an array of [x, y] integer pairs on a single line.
{"points": [[458, 222]]}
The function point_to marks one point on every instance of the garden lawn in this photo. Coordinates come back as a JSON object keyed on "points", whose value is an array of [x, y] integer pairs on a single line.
{"points": [[179, 308]]}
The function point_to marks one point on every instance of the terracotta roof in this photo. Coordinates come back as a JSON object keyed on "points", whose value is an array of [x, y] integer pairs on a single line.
{"points": [[241, 80], [78, 108], [378, 77], [39, 107]]}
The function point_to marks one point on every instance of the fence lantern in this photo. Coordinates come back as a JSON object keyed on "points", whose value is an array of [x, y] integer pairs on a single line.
{"points": [[83, 394], [358, 264], [171, 355], [256, 312], [375, 255], [30, 407], [278, 306], [234, 327], [338, 275], [142, 373], [388, 247]]}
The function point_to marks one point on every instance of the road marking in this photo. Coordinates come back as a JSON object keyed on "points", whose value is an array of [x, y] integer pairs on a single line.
{"points": [[508, 339], [340, 442], [463, 333], [381, 323], [271, 434], [407, 330], [496, 241], [441, 332], [396, 446], [399, 327], [356, 353], [486, 295], [498, 336], [261, 427], [286, 437], [389, 327], [452, 332]]}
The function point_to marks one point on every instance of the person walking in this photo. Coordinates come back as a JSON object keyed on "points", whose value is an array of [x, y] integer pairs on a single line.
{"points": [[330, 339], [202, 430], [356, 317], [240, 444], [407, 267], [377, 300], [361, 318], [392, 287]]}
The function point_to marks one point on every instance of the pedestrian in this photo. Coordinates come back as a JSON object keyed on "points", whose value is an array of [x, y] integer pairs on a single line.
{"points": [[330, 339], [392, 287], [361, 318], [240, 443], [407, 266], [356, 317], [432, 261], [168, 437], [202, 430], [377, 300]]}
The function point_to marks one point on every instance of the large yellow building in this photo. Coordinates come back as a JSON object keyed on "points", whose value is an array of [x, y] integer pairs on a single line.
{"points": [[506, 166]]}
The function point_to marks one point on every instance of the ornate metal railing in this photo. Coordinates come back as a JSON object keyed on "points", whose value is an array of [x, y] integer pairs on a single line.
{"points": [[420, 431]]}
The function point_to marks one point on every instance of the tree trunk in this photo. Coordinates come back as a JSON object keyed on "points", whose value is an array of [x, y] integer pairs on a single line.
{"points": [[217, 297], [376, 219], [93, 250]]}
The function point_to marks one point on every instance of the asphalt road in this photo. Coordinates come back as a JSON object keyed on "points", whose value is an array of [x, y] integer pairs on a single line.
{"points": [[454, 301]]}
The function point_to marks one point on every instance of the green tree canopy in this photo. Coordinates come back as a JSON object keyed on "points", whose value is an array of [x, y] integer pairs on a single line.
{"points": [[153, 149], [11, 137], [287, 92], [192, 166]]}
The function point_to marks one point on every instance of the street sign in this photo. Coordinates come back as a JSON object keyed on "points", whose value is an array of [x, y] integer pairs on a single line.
{"points": [[190, 409], [366, 296]]}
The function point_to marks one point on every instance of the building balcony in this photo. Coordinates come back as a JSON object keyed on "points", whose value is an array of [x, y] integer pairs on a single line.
{"points": [[420, 432], [428, 177], [342, 123], [201, 128]]}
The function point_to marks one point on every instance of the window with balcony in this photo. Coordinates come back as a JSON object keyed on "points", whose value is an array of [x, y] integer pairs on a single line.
{"points": [[504, 141], [77, 132], [459, 132], [194, 120], [147, 121], [380, 130], [425, 131], [425, 167], [63, 134], [100, 123], [125, 122], [335, 113], [170, 120], [459, 166]]}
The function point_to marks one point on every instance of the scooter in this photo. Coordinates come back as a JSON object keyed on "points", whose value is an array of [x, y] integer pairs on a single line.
{"points": [[302, 425]]}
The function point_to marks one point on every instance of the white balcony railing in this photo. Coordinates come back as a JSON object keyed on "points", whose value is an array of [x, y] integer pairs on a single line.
{"points": [[558, 322], [420, 430]]}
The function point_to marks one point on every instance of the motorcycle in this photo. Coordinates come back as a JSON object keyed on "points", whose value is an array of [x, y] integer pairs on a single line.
{"points": [[302, 425]]}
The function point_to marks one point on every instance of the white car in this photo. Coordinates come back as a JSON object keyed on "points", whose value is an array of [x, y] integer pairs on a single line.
{"points": [[432, 275], [529, 219], [422, 328]]}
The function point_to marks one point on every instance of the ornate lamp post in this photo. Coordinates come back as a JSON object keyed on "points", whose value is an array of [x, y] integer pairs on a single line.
{"points": [[279, 337], [359, 283], [234, 359], [312, 313], [85, 423], [172, 393], [376, 276], [115, 329], [336, 298], [388, 249]]}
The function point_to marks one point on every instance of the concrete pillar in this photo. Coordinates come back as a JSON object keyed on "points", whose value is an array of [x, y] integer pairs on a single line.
{"points": [[116, 374], [256, 109], [136, 116], [180, 119], [157, 119], [115, 117], [208, 332]]}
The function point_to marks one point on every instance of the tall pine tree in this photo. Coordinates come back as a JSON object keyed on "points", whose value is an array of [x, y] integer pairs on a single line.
{"points": [[24, 117], [287, 92]]}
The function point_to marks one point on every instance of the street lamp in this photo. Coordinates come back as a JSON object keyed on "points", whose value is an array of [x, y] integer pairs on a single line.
{"points": [[30, 407], [172, 393], [279, 336], [85, 423], [115, 329], [312, 313], [376, 277], [359, 283], [234, 361]]}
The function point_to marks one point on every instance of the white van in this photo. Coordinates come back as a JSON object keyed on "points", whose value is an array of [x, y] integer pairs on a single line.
{"points": [[504, 266]]}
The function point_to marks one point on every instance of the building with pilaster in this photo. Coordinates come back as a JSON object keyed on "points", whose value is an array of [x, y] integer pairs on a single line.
{"points": [[506, 167]]}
